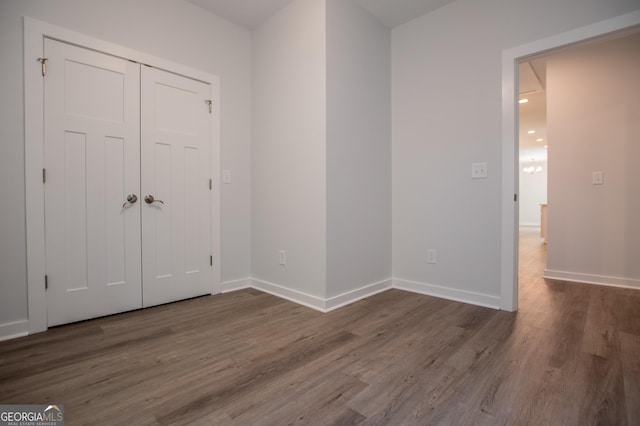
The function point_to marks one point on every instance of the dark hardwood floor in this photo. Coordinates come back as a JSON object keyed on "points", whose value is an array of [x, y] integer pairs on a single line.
{"points": [[570, 356]]}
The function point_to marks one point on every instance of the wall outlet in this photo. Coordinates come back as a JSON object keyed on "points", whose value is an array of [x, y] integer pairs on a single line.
{"points": [[431, 256], [479, 171], [283, 257]]}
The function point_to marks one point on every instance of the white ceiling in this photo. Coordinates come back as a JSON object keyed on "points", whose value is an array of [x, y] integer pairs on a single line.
{"points": [[251, 13], [533, 114]]}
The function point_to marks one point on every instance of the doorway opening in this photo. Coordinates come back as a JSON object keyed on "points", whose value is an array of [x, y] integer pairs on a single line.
{"points": [[533, 144], [511, 163]]}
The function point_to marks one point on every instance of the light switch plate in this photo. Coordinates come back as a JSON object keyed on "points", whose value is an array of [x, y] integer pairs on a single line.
{"points": [[479, 171], [226, 176], [597, 178]]}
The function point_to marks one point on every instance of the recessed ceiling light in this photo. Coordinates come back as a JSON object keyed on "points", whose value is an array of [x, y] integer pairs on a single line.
{"points": [[523, 101], [539, 140], [531, 132]]}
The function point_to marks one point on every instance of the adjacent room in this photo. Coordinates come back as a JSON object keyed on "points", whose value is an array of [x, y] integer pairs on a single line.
{"points": [[321, 211]]}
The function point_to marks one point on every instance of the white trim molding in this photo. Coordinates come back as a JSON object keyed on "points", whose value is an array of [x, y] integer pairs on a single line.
{"points": [[13, 330], [319, 303], [449, 293], [510, 160], [295, 296], [229, 286], [578, 277], [353, 296]]}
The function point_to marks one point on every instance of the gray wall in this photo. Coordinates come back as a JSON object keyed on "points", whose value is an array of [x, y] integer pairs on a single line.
{"points": [[169, 29], [321, 156], [358, 148], [532, 192], [289, 148]]}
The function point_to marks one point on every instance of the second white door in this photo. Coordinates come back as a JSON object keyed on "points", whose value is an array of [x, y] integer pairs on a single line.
{"points": [[175, 187]]}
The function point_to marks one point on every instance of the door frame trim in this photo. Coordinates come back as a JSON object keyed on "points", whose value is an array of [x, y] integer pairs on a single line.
{"points": [[510, 59], [34, 34]]}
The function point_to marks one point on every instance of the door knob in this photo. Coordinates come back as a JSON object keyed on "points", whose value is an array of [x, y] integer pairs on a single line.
{"points": [[131, 199], [150, 200]]}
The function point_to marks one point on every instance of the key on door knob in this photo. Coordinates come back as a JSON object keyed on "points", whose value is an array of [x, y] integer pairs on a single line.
{"points": [[149, 200], [131, 199]]}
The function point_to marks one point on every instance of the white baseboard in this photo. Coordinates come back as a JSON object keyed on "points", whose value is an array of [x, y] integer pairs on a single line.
{"points": [[229, 286], [21, 328], [13, 330], [530, 225], [291, 295], [463, 296], [592, 279], [352, 296], [318, 303]]}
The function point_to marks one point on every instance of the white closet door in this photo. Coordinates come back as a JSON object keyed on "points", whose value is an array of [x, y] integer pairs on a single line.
{"points": [[176, 198], [92, 160]]}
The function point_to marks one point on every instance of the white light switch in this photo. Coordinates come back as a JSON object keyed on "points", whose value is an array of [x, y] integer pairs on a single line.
{"points": [[226, 176], [597, 178], [479, 171]]}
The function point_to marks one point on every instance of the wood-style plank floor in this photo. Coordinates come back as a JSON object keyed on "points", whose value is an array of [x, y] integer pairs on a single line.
{"points": [[570, 356]]}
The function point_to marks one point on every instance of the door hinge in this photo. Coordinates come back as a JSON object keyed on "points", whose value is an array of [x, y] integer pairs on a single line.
{"points": [[44, 175], [515, 197], [208, 102], [210, 184], [43, 62], [210, 260], [46, 282]]}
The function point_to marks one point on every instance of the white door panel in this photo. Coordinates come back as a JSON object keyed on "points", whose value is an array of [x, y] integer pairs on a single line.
{"points": [[176, 228], [92, 159]]}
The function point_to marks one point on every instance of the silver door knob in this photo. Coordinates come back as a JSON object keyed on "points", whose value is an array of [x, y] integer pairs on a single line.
{"points": [[150, 200], [131, 199]]}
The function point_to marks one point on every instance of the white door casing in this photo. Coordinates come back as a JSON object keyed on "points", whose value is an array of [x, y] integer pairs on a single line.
{"points": [[92, 161], [176, 172]]}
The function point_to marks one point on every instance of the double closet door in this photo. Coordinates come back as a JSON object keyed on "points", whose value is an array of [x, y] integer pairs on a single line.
{"points": [[127, 185]]}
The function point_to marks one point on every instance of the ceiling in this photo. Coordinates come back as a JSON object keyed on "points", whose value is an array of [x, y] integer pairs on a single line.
{"points": [[533, 114], [251, 13]]}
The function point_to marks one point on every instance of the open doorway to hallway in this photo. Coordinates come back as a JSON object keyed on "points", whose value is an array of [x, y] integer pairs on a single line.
{"points": [[577, 142], [533, 166]]}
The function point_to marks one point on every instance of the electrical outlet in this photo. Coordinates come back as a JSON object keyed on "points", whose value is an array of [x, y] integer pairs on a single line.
{"points": [[283, 257], [479, 171], [226, 176], [431, 256]]}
